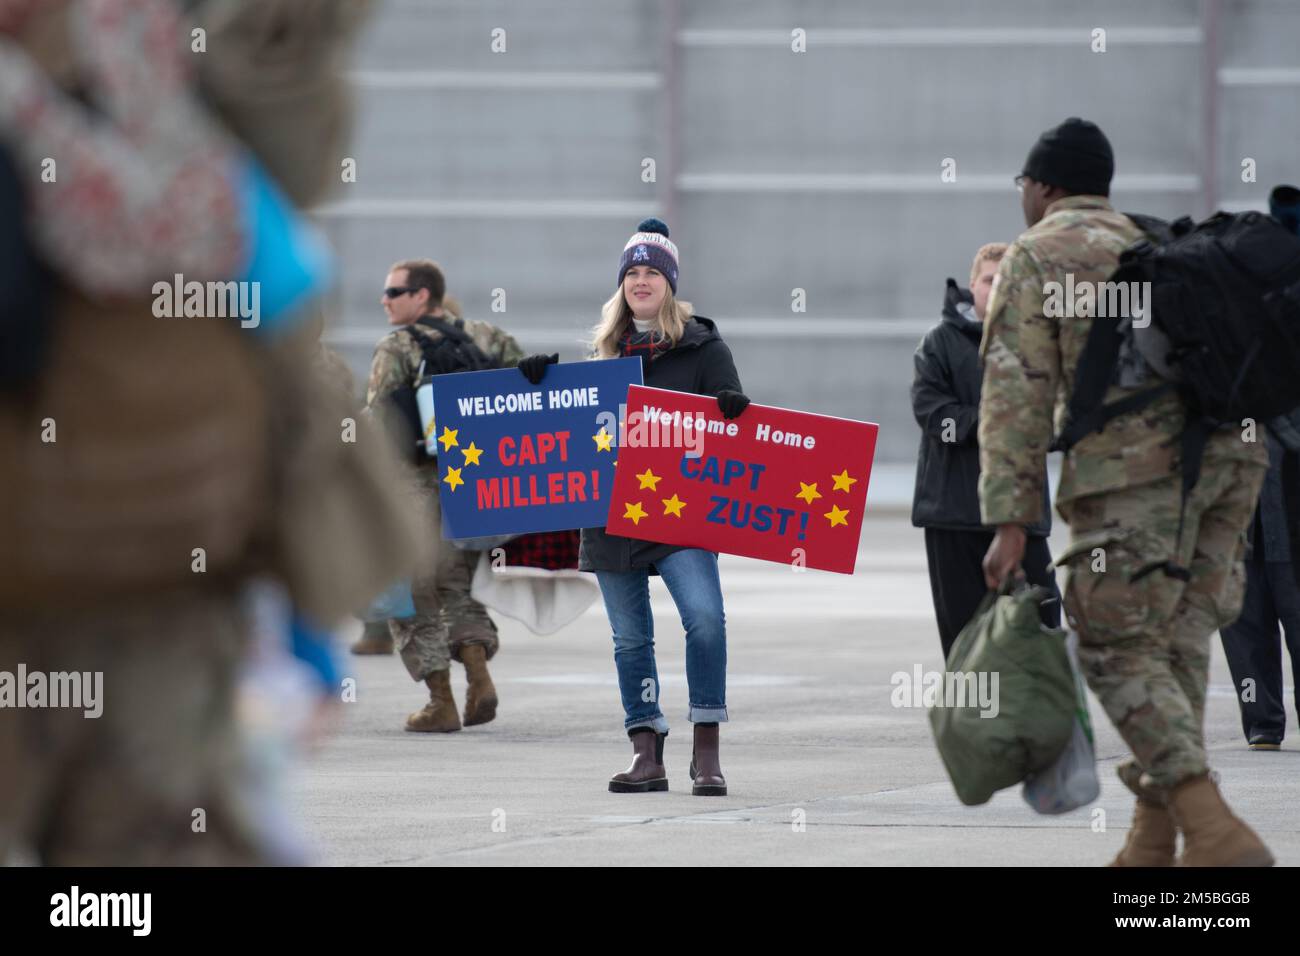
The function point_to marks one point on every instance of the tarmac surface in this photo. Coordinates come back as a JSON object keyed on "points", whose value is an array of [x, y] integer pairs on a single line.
{"points": [[821, 768]]}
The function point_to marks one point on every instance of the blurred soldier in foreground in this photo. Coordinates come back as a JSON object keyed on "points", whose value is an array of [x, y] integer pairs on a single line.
{"points": [[156, 462], [1144, 635], [449, 623]]}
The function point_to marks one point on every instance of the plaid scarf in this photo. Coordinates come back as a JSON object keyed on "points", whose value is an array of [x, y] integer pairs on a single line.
{"points": [[551, 550], [649, 344]]}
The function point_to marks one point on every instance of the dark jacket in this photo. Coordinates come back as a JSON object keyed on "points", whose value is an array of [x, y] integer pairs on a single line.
{"points": [[1268, 538], [700, 363], [946, 403]]}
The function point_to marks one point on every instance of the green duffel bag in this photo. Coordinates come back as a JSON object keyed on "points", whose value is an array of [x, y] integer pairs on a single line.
{"points": [[1004, 649]]}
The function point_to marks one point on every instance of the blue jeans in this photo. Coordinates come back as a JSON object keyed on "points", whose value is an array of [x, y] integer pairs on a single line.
{"points": [[691, 576]]}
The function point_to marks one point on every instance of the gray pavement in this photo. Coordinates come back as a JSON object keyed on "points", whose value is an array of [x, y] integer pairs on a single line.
{"points": [[821, 768]]}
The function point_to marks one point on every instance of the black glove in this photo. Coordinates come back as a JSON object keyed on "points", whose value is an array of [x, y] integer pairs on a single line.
{"points": [[732, 403], [534, 366]]}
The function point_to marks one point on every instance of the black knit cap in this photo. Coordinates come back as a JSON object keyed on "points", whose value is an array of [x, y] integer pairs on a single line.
{"points": [[1075, 156]]}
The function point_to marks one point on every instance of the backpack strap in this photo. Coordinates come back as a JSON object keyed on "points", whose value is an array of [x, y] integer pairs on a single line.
{"points": [[426, 350], [1086, 411], [1196, 433], [466, 350], [1099, 416]]}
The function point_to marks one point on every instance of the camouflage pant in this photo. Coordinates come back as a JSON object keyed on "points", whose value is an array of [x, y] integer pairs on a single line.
{"points": [[1144, 645], [122, 789], [447, 619]]}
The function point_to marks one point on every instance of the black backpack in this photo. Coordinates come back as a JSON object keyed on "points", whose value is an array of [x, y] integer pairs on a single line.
{"points": [[1222, 327], [455, 351]]}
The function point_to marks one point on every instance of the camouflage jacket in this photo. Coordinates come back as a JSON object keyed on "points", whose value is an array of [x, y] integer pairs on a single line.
{"points": [[397, 356], [1030, 360]]}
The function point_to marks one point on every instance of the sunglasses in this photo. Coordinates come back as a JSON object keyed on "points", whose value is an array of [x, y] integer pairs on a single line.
{"points": [[392, 292]]}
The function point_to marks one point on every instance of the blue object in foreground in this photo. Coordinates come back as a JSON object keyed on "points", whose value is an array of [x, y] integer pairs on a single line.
{"points": [[289, 263], [395, 602], [314, 646]]}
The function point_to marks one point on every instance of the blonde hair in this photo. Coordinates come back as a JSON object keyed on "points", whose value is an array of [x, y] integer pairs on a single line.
{"points": [[989, 252], [616, 319]]}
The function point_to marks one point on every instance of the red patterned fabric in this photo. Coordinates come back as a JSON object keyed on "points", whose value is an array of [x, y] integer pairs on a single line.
{"points": [[549, 550], [649, 345], [146, 188]]}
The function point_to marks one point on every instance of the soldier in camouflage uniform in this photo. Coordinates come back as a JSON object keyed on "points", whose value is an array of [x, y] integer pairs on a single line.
{"points": [[449, 624], [1144, 636]]}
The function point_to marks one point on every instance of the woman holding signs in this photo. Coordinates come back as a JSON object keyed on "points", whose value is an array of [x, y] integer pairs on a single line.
{"points": [[684, 353]]}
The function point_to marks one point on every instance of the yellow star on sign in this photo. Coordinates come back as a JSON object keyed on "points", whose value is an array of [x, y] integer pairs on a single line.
{"points": [[453, 478], [448, 438], [808, 492], [634, 511], [843, 482], [837, 515], [602, 440], [673, 506], [472, 454], [649, 479]]}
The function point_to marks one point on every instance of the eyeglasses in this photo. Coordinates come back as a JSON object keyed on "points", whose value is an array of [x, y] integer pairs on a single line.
{"points": [[1020, 181], [392, 292]]}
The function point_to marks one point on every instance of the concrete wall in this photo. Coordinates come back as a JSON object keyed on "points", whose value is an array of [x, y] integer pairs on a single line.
{"points": [[778, 170]]}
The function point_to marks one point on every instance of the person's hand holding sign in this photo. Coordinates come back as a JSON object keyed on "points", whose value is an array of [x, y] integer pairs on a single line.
{"points": [[534, 366], [732, 403]]}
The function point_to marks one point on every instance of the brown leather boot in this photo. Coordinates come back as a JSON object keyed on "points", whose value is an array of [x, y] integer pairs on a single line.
{"points": [[706, 770], [646, 771], [375, 639], [1151, 840], [481, 694], [439, 715], [1212, 836]]}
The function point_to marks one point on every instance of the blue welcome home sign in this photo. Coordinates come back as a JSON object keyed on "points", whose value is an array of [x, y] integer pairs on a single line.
{"points": [[514, 457]]}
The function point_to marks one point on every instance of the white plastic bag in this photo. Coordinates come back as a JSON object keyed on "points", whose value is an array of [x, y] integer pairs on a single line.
{"points": [[1071, 782]]}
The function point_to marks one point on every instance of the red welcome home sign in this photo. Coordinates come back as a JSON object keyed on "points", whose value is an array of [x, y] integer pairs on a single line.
{"points": [[773, 484]]}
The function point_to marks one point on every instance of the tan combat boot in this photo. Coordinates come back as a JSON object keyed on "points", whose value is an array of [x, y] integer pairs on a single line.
{"points": [[481, 694], [1212, 836], [1152, 840], [375, 639], [439, 715]]}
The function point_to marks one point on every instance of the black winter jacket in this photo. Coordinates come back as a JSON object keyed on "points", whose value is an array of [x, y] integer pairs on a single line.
{"points": [[1269, 536], [700, 363], [946, 402]]}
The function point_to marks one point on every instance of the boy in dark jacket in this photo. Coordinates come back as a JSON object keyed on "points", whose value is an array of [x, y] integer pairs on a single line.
{"points": [[945, 400]]}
